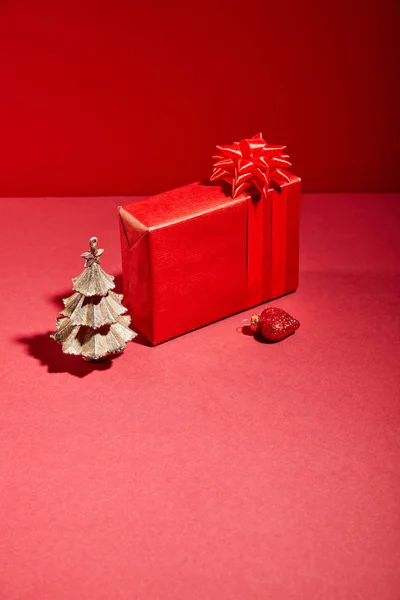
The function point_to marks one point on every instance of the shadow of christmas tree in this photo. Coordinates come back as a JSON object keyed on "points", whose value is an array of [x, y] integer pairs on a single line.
{"points": [[45, 350]]}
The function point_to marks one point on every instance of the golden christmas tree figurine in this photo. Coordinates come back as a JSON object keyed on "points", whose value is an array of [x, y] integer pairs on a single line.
{"points": [[93, 323]]}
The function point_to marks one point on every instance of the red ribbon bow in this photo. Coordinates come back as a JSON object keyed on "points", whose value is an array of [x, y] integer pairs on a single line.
{"points": [[250, 162]]}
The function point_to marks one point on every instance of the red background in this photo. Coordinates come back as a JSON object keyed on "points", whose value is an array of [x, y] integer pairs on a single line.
{"points": [[120, 97]]}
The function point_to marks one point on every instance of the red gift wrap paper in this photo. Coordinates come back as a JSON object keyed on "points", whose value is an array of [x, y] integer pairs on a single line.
{"points": [[195, 255]]}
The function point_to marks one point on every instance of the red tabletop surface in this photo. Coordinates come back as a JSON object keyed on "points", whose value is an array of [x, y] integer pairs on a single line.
{"points": [[214, 466]]}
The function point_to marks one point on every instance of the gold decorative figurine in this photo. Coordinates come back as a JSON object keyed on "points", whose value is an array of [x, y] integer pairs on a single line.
{"points": [[93, 323]]}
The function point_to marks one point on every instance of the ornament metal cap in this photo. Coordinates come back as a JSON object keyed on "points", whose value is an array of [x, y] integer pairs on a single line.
{"points": [[254, 322]]}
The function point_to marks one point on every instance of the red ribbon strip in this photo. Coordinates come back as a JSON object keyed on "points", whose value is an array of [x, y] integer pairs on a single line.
{"points": [[253, 164]]}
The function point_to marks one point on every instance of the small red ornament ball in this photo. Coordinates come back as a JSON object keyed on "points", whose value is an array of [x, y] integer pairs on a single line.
{"points": [[274, 324]]}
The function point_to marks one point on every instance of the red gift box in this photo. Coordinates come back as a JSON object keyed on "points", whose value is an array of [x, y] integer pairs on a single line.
{"points": [[195, 255]]}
